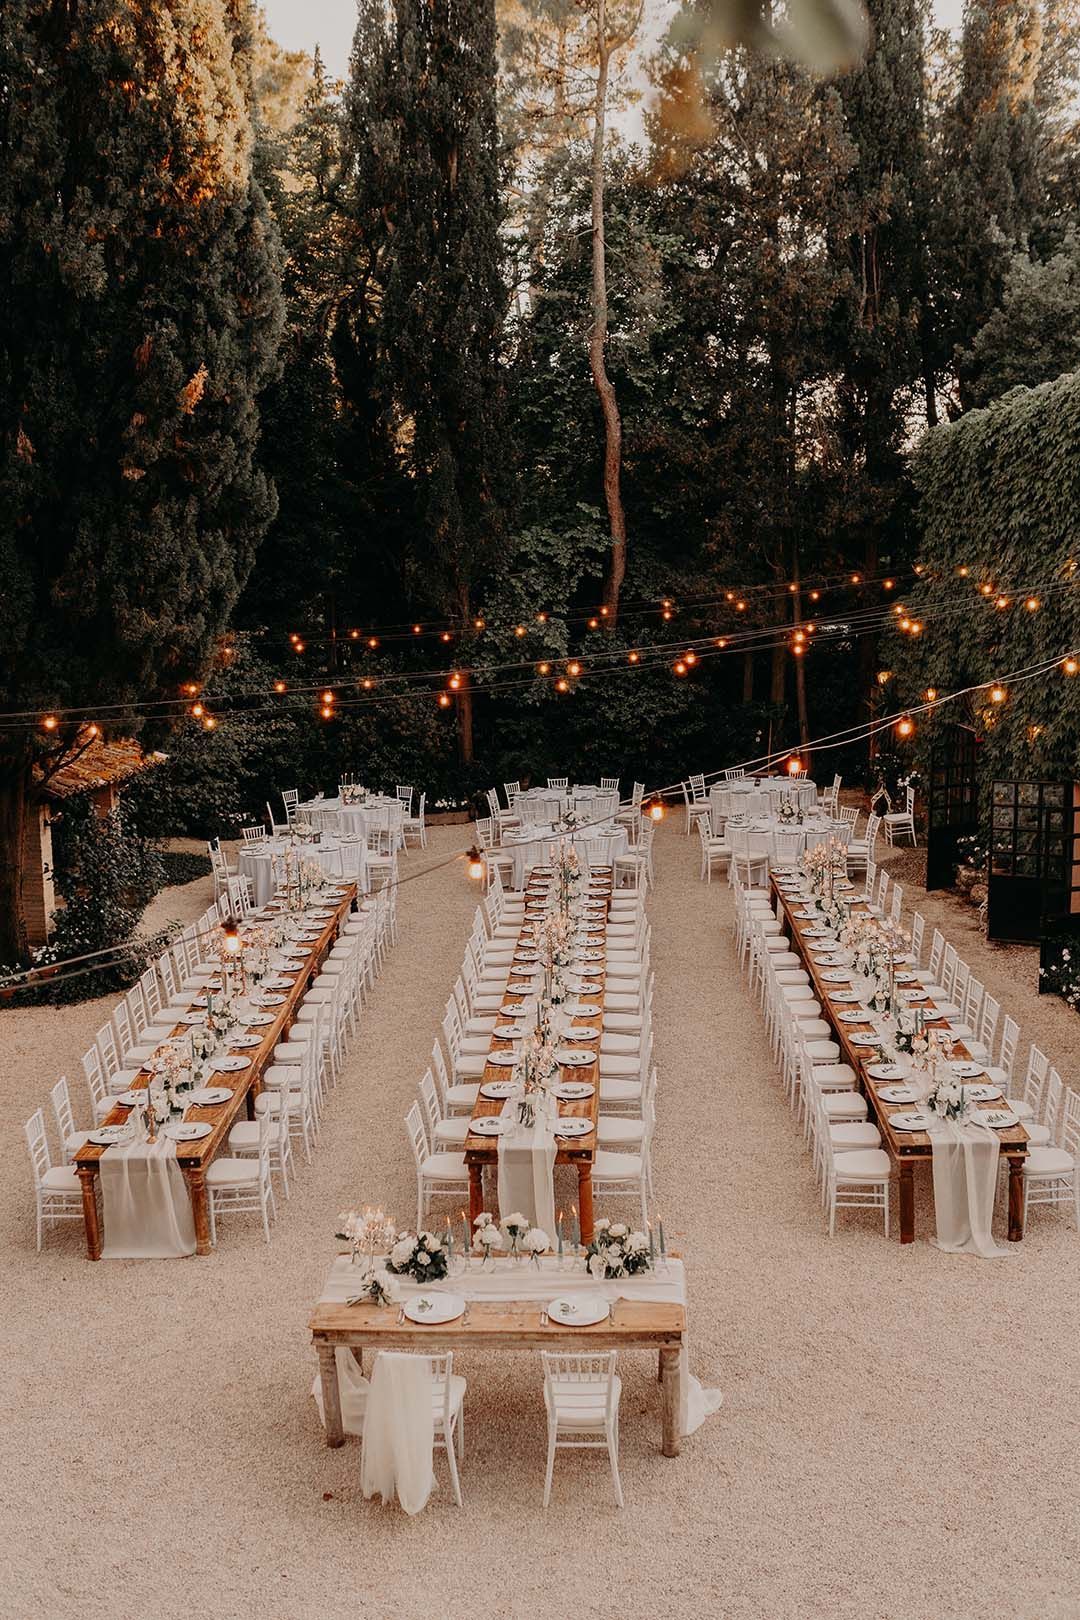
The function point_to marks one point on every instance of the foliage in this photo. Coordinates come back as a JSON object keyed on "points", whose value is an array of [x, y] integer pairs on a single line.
{"points": [[1034, 334], [139, 319], [180, 866], [999, 491]]}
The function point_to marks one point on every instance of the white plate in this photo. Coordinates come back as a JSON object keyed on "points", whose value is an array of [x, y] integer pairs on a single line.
{"points": [[844, 996], [837, 976], [517, 988], [259, 1020], [894, 1094], [503, 1060], [526, 970], [570, 1058], [245, 1042], [509, 1032], [230, 1065], [864, 1040], [983, 1093], [109, 1135], [490, 1125], [916, 995], [269, 1001], [578, 1311], [208, 1096], [815, 933], [573, 1090], [187, 1132], [279, 981], [967, 1071], [496, 1088], [580, 1035], [129, 1099], [590, 972], [909, 1121], [1000, 1118], [512, 1008], [572, 1127], [434, 1307], [192, 1017]]}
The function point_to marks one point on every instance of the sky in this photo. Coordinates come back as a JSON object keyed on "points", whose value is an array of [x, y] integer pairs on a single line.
{"points": [[303, 24]]}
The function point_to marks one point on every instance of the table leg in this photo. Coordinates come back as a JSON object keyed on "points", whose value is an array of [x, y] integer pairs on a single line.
{"points": [[88, 1178], [476, 1192], [331, 1396], [200, 1209], [907, 1201], [671, 1397], [585, 1205], [1016, 1200]]}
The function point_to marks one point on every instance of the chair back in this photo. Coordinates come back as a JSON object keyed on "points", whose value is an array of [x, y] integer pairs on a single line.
{"points": [[414, 1124], [405, 794], [1053, 1104], [253, 835], [558, 784], [1035, 1079], [95, 1075], [1010, 1035], [150, 985], [38, 1143], [580, 1380], [60, 1098], [290, 798], [1070, 1126], [937, 949]]}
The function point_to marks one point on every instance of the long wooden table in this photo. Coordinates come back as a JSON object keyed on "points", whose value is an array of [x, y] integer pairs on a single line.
{"points": [[194, 1157], [496, 1325], [579, 1151], [907, 1148]]}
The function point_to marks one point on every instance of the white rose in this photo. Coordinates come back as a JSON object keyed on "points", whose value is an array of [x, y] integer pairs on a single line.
{"points": [[422, 1257], [537, 1240], [602, 1224], [401, 1253], [618, 1230], [597, 1265]]}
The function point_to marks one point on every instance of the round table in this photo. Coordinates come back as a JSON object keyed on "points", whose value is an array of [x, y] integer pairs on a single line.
{"points": [[758, 796], [377, 813], [256, 862], [597, 846]]}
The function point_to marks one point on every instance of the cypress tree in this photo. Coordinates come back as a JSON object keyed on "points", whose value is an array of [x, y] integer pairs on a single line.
{"points": [[425, 149], [139, 318]]}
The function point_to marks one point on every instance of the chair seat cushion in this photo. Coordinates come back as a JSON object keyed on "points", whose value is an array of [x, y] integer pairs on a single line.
{"points": [[1048, 1161], [445, 1167], [470, 1064], [844, 1105], [451, 1133], [227, 1172], [616, 1166], [823, 1051], [869, 1164], [619, 1133], [849, 1137], [615, 1021], [61, 1178], [244, 1136], [628, 1091], [462, 1096], [613, 1066]]}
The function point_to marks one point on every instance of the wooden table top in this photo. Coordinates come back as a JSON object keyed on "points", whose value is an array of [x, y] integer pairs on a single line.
{"points": [[901, 1144], [485, 1149], [222, 1116], [500, 1323]]}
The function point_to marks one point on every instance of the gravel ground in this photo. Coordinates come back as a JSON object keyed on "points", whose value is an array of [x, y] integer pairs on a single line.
{"points": [[899, 1430]]}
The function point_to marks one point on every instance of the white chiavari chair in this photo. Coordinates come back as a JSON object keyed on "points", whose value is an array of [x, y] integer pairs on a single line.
{"points": [[57, 1188]]}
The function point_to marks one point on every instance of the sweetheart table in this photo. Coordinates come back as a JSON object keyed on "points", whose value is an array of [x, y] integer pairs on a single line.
{"points": [[505, 1312]]}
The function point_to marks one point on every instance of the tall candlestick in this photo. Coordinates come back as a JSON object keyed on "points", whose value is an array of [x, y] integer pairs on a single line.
{"points": [[663, 1246]]}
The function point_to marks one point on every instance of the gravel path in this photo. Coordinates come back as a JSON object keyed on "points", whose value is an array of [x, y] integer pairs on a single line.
{"points": [[899, 1429]]}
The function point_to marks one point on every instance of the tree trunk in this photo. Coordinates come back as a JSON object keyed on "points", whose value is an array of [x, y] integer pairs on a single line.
{"points": [[465, 718], [748, 676], [800, 672], [14, 786], [616, 566]]}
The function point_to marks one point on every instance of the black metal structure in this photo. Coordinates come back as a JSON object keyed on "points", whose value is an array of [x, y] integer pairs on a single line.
{"points": [[953, 804], [1034, 881]]}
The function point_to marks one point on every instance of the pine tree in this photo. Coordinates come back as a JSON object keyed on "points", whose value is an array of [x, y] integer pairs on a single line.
{"points": [[139, 318], [425, 154]]}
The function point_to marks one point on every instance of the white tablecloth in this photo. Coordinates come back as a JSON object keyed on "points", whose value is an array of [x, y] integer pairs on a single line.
{"points": [[598, 846], [758, 796], [522, 1280], [356, 820], [145, 1203], [256, 862]]}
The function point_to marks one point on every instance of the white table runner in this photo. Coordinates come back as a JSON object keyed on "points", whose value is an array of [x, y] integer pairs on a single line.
{"points": [[966, 1159], [527, 1171], [145, 1202], [522, 1280]]}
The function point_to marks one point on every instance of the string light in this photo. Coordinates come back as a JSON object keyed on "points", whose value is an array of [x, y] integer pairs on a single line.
{"points": [[721, 641], [327, 711], [279, 686], [987, 590], [997, 694], [794, 765], [884, 676], [1002, 602], [679, 667], [476, 864], [905, 727], [299, 646], [190, 687], [594, 624], [815, 596], [93, 730], [1032, 604], [209, 723], [50, 722], [963, 570], [197, 710], [479, 624], [543, 669], [603, 612], [573, 668], [1070, 666], [930, 694], [916, 627], [519, 630], [656, 809], [446, 636], [367, 683], [856, 579], [633, 657], [541, 618], [354, 635], [328, 697], [690, 658], [373, 642], [444, 700], [888, 584], [740, 607], [454, 682], [562, 684], [417, 629], [667, 614]]}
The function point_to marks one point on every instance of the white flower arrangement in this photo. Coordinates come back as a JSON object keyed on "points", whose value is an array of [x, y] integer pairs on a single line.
{"points": [[486, 1235], [378, 1288], [616, 1251], [422, 1255]]}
